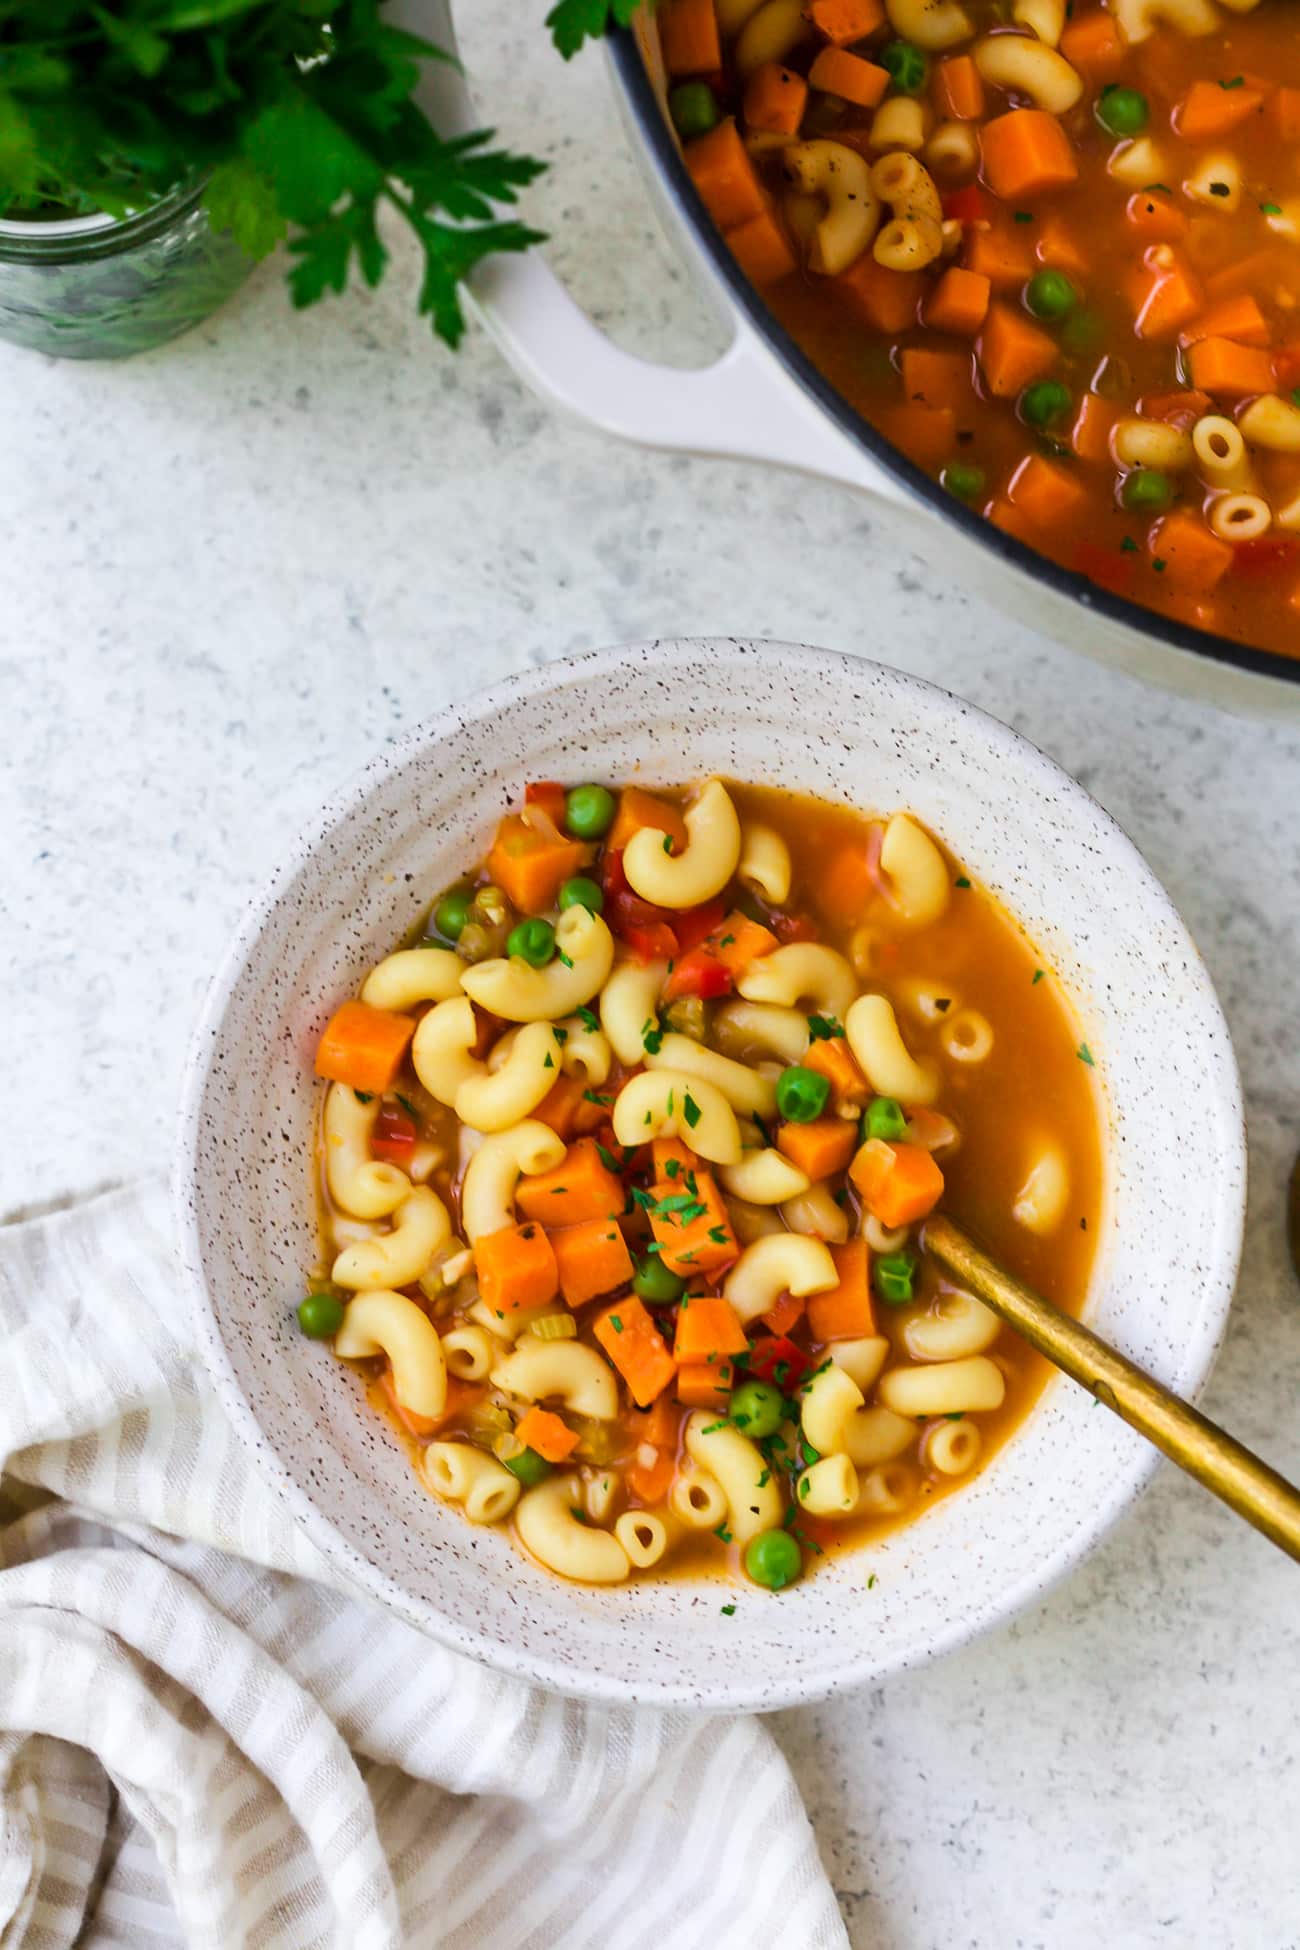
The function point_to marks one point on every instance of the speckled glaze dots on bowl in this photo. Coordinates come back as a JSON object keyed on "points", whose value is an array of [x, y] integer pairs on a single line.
{"points": [[672, 711]]}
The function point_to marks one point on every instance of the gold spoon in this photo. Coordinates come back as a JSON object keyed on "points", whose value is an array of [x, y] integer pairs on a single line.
{"points": [[1187, 1437]]}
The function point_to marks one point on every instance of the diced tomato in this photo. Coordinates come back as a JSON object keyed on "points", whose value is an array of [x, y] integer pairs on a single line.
{"points": [[966, 206], [766, 1356], [649, 941], [699, 973], [1107, 567], [394, 1135], [692, 926], [649, 931], [550, 795], [1264, 556], [1286, 366]]}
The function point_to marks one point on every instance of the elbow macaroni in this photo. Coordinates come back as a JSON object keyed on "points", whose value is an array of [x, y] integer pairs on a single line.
{"points": [[712, 849], [380, 1322]]}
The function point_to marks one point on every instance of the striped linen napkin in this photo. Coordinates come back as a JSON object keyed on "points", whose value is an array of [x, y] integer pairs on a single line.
{"points": [[206, 1739]]}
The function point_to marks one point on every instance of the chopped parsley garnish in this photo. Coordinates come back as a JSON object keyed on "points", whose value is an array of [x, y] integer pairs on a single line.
{"points": [[823, 1028], [560, 956], [718, 1234], [728, 1611], [722, 1534], [589, 1017], [606, 1158], [616, 1323], [1038, 976], [1271, 209], [1128, 546], [961, 881], [690, 1109], [594, 1097], [668, 842], [1085, 1056], [1238, 81], [407, 1105], [364, 1096], [548, 1063]]}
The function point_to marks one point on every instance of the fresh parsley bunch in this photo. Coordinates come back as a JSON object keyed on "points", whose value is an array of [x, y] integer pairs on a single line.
{"points": [[302, 112]]}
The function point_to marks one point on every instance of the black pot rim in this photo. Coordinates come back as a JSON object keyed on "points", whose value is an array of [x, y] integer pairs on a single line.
{"points": [[654, 130]]}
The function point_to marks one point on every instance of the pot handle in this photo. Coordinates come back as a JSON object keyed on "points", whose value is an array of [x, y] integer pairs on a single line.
{"points": [[744, 406]]}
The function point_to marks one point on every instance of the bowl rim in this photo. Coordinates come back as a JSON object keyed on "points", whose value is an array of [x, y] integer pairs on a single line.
{"points": [[1198, 1351], [650, 122]]}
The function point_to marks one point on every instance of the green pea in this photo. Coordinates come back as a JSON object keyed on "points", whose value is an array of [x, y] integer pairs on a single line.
{"points": [[452, 912], [320, 1316], [773, 1558], [589, 812], [528, 1466], [1146, 491], [801, 1094], [883, 1118], [1122, 111], [652, 1281], [1081, 333], [581, 892], [758, 1408], [694, 109], [1049, 294], [895, 1277], [963, 480], [533, 940], [1044, 403], [906, 66]]}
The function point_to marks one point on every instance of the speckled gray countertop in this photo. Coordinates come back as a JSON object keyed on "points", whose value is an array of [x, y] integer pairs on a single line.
{"points": [[235, 567]]}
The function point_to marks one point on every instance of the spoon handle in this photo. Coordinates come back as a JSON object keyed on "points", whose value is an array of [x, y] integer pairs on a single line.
{"points": [[1187, 1437]]}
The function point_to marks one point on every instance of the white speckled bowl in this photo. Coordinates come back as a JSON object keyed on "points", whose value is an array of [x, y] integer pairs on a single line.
{"points": [[787, 716]]}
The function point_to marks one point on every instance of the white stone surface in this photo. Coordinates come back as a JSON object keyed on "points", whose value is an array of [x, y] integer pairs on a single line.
{"points": [[233, 568]]}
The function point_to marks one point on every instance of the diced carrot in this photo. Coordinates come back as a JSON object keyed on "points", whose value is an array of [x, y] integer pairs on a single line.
{"points": [[635, 1346], [1047, 493], [845, 883], [1093, 46], [579, 1188], [1012, 352], [1090, 436], [899, 1182], [530, 866], [516, 1268], [883, 299], [1228, 371], [708, 1328], [690, 1240], [1286, 366], [651, 1482], [1058, 246], [363, 1047], [958, 302], [671, 1158], [591, 1259], [848, 76], [820, 1148], [1181, 409], [549, 1434], [1165, 296], [845, 1313], [785, 1313], [998, 254], [1239, 319], [775, 99], [688, 36], [762, 249], [1195, 561], [958, 90], [705, 1386], [636, 809], [550, 795], [936, 378], [845, 21], [1013, 521], [1025, 152], [925, 433], [1251, 273], [832, 1058], [1153, 216], [659, 1425], [739, 941], [568, 1109], [1285, 109], [459, 1395], [722, 172], [1208, 110]]}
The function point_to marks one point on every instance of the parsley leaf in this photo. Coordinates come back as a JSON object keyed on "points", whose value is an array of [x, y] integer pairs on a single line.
{"points": [[574, 21]]}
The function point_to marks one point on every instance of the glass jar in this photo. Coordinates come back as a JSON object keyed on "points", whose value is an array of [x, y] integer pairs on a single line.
{"points": [[103, 287]]}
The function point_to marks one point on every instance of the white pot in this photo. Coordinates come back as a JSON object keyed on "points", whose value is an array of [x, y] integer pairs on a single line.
{"points": [[763, 400]]}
